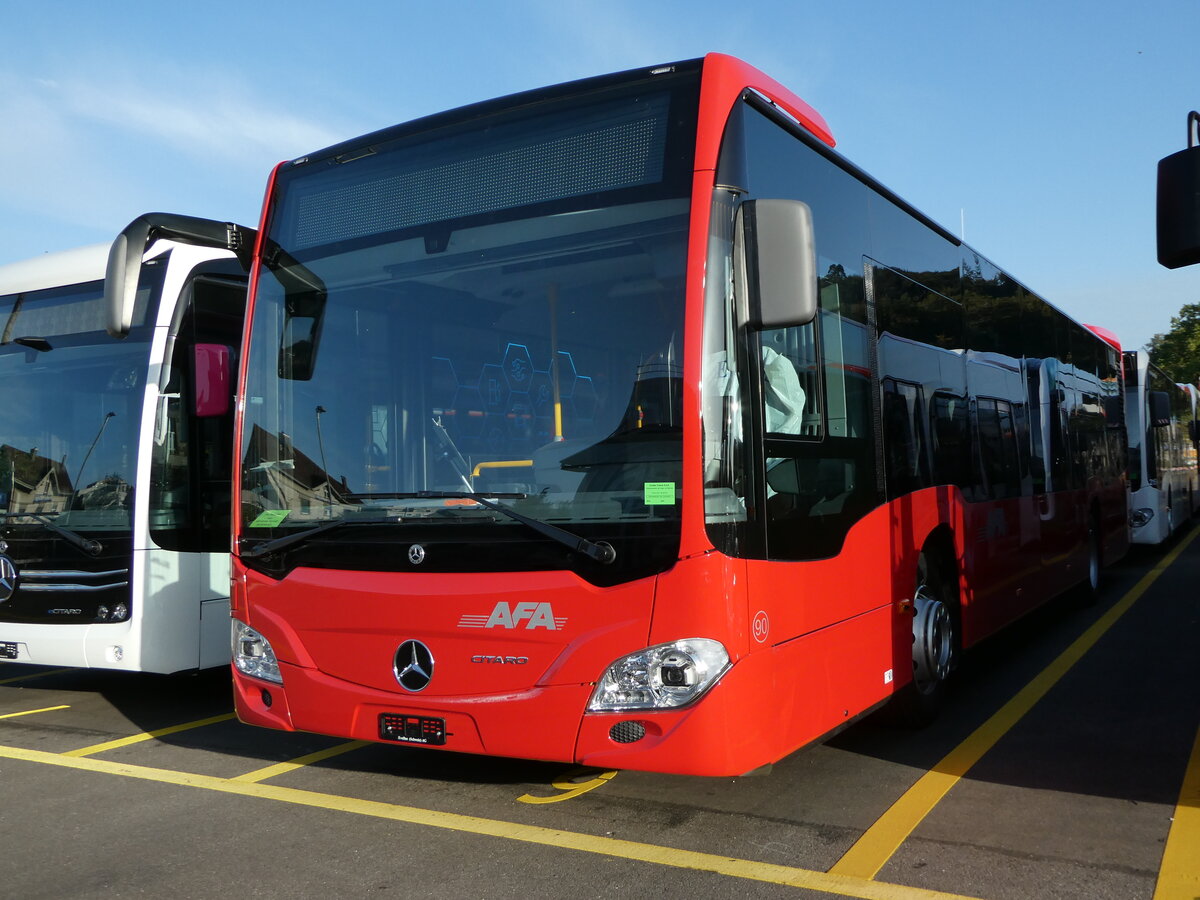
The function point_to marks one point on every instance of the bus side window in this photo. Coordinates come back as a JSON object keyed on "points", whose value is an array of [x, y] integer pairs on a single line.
{"points": [[791, 399], [951, 440], [905, 440], [998, 448], [190, 467], [818, 469]]}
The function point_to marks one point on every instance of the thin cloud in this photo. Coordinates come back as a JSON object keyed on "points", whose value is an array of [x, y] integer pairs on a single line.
{"points": [[226, 127], [91, 155]]}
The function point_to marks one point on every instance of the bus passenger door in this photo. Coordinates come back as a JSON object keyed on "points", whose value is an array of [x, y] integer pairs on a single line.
{"points": [[191, 464], [816, 455], [1050, 405]]}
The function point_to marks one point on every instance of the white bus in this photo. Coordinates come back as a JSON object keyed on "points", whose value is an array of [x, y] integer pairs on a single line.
{"points": [[1160, 417], [115, 448], [1191, 448]]}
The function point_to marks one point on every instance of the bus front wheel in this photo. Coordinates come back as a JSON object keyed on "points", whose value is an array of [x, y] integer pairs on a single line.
{"points": [[934, 644], [1090, 588]]}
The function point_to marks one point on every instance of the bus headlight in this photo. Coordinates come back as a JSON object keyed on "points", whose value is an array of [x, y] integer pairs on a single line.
{"points": [[1140, 517], [252, 654], [666, 676]]}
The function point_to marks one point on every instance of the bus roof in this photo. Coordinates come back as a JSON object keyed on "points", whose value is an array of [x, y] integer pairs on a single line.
{"points": [[1105, 335], [52, 270]]}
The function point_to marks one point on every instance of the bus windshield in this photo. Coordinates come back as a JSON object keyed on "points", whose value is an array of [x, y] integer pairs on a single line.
{"points": [[492, 306], [72, 404]]}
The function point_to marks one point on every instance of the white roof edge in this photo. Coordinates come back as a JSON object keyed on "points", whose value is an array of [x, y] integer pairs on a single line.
{"points": [[51, 270]]}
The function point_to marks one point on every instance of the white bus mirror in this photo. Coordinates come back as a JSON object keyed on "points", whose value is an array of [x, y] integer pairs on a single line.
{"points": [[775, 262]]}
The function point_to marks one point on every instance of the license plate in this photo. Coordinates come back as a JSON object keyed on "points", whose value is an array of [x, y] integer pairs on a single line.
{"points": [[412, 729], [8, 650]]}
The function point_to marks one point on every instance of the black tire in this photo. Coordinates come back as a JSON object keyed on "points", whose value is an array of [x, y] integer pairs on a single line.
{"points": [[1089, 589], [936, 643]]}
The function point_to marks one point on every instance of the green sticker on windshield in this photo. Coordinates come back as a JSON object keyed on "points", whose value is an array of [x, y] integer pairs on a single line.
{"points": [[659, 493], [270, 518]]}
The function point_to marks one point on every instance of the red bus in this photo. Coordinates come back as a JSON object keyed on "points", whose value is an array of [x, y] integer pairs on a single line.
{"points": [[626, 423]]}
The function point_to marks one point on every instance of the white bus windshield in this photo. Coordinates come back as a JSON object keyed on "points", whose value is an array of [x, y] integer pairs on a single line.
{"points": [[72, 407]]}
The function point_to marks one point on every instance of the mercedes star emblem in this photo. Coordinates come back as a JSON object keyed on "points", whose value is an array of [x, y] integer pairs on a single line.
{"points": [[413, 666], [8, 578]]}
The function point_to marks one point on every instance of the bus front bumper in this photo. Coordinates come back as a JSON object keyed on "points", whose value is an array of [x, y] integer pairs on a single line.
{"points": [[718, 735]]}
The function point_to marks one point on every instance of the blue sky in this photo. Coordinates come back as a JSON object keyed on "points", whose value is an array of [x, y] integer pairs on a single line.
{"points": [[1034, 127]]}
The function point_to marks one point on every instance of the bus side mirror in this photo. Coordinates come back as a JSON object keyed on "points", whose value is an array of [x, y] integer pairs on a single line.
{"points": [[305, 296], [775, 263], [214, 379], [301, 335], [1160, 408], [1179, 202], [125, 256], [1114, 412]]}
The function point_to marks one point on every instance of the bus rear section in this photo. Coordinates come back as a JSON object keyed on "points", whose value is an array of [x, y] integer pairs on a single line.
{"points": [[1190, 433], [1164, 484], [114, 483], [626, 423]]}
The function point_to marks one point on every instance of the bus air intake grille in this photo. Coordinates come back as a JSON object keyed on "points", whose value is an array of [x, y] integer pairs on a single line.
{"points": [[627, 732]]}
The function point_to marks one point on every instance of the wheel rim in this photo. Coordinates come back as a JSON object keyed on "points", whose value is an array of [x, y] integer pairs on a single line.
{"points": [[1093, 558], [933, 641]]}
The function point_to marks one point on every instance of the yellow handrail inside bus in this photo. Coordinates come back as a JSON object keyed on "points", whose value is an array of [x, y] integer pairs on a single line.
{"points": [[552, 298], [500, 464]]}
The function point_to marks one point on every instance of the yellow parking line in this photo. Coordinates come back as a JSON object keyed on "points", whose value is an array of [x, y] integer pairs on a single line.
{"points": [[299, 762], [34, 675], [147, 736], [880, 842], [839, 885], [571, 787], [1179, 875], [30, 712]]}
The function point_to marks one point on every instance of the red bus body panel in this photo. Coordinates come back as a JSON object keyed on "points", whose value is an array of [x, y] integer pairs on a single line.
{"points": [[348, 625]]}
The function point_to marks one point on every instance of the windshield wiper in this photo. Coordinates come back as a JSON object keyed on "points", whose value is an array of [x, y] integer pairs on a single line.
{"points": [[297, 537], [40, 344], [87, 545], [601, 551]]}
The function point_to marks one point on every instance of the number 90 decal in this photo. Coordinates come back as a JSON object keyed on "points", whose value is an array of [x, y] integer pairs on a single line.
{"points": [[761, 627]]}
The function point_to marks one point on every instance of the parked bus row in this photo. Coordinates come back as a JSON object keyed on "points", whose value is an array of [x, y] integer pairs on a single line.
{"points": [[623, 422]]}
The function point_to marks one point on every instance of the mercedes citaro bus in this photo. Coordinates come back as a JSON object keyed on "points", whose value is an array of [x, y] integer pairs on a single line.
{"points": [[627, 423], [115, 440]]}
